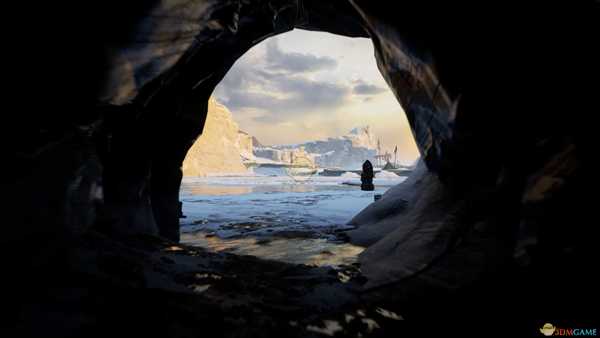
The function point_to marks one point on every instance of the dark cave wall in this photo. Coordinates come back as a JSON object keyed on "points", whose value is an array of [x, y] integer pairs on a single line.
{"points": [[170, 104], [498, 96], [496, 124]]}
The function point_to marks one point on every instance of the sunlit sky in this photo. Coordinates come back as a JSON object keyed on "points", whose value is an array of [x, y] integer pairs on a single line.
{"points": [[302, 86]]}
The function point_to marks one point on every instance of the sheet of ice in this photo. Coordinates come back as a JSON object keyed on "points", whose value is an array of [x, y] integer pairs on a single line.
{"points": [[278, 176], [275, 217], [350, 175], [384, 174], [310, 251]]}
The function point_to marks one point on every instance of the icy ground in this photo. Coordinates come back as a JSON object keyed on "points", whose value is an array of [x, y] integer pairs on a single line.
{"points": [[296, 220]]}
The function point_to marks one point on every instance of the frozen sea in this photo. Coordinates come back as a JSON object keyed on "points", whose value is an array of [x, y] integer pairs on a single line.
{"points": [[277, 216]]}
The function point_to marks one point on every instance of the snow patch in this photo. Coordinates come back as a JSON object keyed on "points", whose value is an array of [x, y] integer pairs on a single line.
{"points": [[385, 174], [348, 175]]}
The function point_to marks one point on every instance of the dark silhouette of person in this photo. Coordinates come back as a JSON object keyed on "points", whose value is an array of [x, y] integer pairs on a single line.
{"points": [[366, 177]]}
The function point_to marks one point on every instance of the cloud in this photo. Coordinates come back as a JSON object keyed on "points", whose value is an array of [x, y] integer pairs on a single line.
{"points": [[283, 97], [295, 62], [363, 88], [280, 85], [280, 93], [302, 96]]}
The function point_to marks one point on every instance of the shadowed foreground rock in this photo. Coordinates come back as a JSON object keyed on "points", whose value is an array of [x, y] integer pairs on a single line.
{"points": [[500, 99], [146, 286]]}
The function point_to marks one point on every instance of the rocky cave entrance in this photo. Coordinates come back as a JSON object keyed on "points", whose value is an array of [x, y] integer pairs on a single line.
{"points": [[499, 199], [291, 198], [469, 211], [186, 87]]}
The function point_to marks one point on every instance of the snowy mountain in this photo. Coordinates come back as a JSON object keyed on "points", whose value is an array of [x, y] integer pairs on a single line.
{"points": [[362, 137], [348, 151], [294, 156], [224, 149]]}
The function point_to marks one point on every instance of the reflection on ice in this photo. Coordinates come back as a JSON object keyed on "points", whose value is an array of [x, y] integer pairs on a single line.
{"points": [[310, 251], [216, 190], [273, 217]]}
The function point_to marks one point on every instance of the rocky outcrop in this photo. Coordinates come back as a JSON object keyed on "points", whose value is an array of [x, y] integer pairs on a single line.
{"points": [[222, 147], [246, 145], [256, 143]]}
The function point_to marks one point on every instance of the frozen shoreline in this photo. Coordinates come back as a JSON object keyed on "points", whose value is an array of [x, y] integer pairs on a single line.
{"points": [[276, 217]]}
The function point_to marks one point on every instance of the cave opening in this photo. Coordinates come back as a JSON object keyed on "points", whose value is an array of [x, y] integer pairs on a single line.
{"points": [[499, 199], [276, 170]]}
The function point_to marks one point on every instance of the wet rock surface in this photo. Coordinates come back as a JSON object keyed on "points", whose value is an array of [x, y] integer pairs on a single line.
{"points": [[146, 285]]}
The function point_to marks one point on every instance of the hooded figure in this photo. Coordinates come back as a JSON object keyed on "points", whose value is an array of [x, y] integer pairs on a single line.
{"points": [[366, 177]]}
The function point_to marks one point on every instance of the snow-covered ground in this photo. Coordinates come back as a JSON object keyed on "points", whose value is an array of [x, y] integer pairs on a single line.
{"points": [[275, 216]]}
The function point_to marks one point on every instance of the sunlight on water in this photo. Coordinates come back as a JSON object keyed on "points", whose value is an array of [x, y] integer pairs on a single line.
{"points": [[308, 251]]}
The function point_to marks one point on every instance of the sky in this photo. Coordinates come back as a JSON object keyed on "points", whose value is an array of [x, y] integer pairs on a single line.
{"points": [[302, 86]]}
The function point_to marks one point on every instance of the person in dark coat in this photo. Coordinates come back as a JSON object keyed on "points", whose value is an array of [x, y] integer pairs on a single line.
{"points": [[366, 177]]}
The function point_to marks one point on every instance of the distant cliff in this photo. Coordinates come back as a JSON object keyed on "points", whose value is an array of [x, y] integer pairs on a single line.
{"points": [[222, 147]]}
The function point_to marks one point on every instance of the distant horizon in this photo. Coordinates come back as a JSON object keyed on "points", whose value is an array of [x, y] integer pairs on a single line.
{"points": [[304, 86], [292, 145]]}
